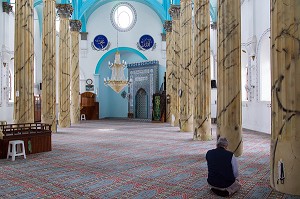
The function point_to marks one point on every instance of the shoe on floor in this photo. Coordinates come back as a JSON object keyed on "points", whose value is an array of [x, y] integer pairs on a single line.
{"points": [[220, 192]]}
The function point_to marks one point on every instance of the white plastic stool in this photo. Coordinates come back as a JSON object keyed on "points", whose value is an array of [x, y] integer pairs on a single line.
{"points": [[82, 117], [12, 149]]}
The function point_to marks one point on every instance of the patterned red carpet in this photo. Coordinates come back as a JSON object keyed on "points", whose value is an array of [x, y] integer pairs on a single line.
{"points": [[126, 159]]}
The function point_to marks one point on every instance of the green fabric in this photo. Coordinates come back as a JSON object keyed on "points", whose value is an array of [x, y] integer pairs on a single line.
{"points": [[29, 146], [156, 108]]}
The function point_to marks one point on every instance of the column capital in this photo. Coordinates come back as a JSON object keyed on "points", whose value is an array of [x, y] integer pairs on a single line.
{"points": [[75, 25], [6, 7], [168, 26], [64, 10], [174, 11], [213, 25], [84, 35]]}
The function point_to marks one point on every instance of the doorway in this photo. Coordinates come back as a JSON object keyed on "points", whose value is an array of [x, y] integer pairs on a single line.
{"points": [[141, 108]]}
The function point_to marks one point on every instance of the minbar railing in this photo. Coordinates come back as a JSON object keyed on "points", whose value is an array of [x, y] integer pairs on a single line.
{"points": [[36, 136]]}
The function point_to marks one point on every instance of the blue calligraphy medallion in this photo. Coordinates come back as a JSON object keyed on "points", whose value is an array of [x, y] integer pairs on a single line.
{"points": [[146, 42], [100, 42]]}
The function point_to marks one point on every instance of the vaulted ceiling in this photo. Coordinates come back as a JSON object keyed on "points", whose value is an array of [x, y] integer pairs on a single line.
{"points": [[84, 8]]}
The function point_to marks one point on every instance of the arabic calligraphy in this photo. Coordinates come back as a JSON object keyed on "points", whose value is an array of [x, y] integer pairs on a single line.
{"points": [[146, 42], [100, 43]]}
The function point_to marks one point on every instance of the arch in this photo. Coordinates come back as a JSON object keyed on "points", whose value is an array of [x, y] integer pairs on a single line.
{"points": [[83, 11], [38, 2], [83, 24], [141, 103], [213, 10], [90, 6], [113, 51], [76, 5], [213, 13], [112, 104], [264, 63]]}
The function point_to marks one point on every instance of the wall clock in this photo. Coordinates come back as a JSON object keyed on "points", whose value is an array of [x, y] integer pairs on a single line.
{"points": [[89, 81]]}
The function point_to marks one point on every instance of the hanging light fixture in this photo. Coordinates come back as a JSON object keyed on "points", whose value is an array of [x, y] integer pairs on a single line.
{"points": [[117, 81]]}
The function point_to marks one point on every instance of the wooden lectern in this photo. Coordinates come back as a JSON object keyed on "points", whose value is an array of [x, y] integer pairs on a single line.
{"points": [[89, 106]]}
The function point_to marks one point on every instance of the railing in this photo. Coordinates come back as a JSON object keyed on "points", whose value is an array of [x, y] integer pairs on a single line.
{"points": [[24, 129], [36, 137]]}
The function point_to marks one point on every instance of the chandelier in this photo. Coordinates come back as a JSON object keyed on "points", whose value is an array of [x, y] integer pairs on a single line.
{"points": [[117, 81]]}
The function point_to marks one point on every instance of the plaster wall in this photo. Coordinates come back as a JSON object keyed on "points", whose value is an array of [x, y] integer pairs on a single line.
{"points": [[6, 56], [256, 114], [37, 54], [100, 23], [1, 54], [2, 27], [213, 49], [7, 29]]}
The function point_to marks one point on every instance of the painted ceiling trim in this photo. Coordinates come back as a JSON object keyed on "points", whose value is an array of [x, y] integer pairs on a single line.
{"points": [[84, 10], [213, 10], [89, 7], [213, 13]]}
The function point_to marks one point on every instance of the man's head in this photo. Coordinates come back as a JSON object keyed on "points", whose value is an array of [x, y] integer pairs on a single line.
{"points": [[222, 142]]}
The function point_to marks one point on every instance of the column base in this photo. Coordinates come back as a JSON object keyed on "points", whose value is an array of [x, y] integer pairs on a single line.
{"points": [[285, 166], [186, 125]]}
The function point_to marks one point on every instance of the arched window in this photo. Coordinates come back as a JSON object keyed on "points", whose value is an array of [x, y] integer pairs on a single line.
{"points": [[265, 68], [123, 16]]}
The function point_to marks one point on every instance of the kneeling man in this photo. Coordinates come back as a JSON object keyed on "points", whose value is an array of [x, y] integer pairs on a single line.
{"points": [[222, 169]]}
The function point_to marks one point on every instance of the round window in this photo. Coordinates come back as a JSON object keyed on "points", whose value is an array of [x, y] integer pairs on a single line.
{"points": [[123, 16]]}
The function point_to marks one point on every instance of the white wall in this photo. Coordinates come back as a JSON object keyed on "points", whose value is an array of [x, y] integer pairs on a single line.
{"points": [[1, 55], [6, 48], [257, 116], [37, 54], [2, 27], [255, 21]]}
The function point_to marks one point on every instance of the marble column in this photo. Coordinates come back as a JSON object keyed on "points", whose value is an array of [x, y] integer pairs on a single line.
{"points": [[169, 71], [175, 14], [186, 95], [229, 122], [75, 92], [48, 109], [24, 59], [202, 85], [64, 12], [285, 62]]}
